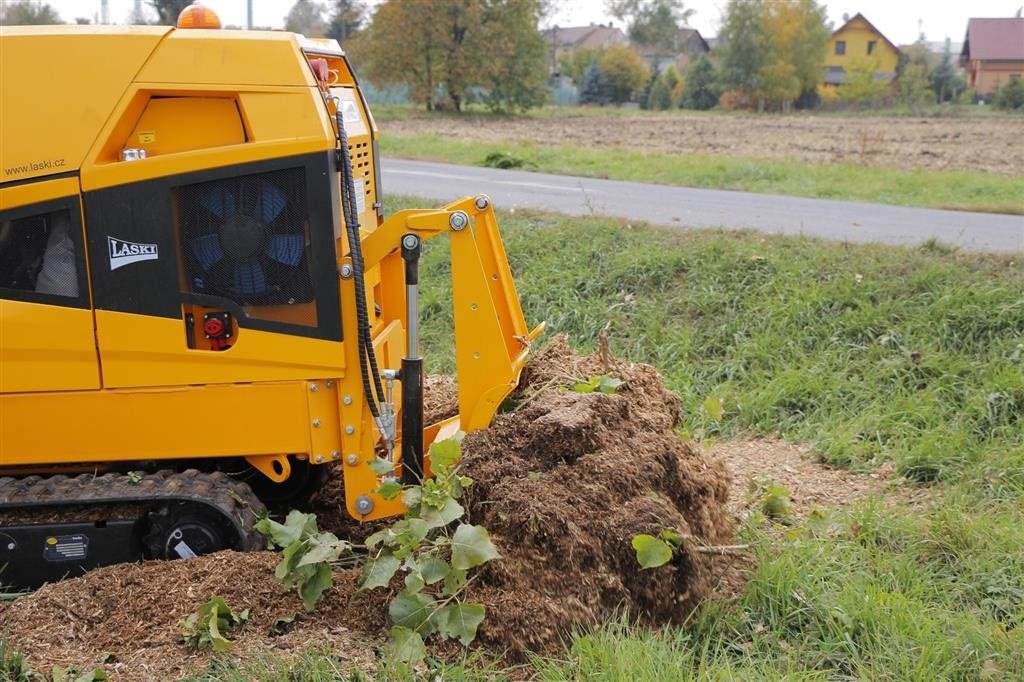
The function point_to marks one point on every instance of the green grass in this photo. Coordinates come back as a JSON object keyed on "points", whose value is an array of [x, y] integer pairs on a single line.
{"points": [[871, 353], [965, 190]]}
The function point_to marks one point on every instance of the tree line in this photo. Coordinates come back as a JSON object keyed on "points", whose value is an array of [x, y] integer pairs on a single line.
{"points": [[447, 53]]}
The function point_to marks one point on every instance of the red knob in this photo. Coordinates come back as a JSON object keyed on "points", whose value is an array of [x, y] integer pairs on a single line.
{"points": [[214, 327]]}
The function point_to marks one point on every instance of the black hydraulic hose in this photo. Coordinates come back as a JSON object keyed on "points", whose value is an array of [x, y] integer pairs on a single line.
{"points": [[367, 358]]}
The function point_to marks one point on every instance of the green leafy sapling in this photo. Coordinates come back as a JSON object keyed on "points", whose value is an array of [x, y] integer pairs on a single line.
{"points": [[434, 558], [308, 552], [207, 628]]}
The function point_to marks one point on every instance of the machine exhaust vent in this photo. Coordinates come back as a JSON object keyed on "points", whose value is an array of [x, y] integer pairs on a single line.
{"points": [[246, 238]]}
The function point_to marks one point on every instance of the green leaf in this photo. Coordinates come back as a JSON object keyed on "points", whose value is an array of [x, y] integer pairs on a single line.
{"points": [[714, 407], [445, 453], [94, 675], [285, 571], [389, 490], [382, 536], [453, 582], [412, 610], [412, 496], [323, 547], [313, 587], [278, 534], [776, 503], [219, 642], [378, 572], [414, 582], [460, 621], [650, 551], [406, 645], [671, 537], [437, 518], [432, 568], [583, 388], [608, 384], [381, 466], [472, 546], [410, 531]]}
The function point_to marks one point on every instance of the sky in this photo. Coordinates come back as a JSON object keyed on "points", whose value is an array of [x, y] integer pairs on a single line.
{"points": [[898, 20]]}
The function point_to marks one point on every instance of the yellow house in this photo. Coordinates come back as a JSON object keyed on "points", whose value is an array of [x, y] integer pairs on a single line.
{"points": [[858, 44]]}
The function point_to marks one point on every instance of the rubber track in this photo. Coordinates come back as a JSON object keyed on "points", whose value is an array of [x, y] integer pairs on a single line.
{"points": [[234, 500]]}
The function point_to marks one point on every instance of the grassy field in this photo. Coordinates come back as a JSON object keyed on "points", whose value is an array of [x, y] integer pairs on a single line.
{"points": [[961, 190], [874, 355]]}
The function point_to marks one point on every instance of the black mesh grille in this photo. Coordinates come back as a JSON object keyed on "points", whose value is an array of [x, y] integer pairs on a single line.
{"points": [[247, 239], [37, 253]]}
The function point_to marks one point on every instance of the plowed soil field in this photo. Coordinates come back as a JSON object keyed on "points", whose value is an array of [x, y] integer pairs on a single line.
{"points": [[993, 144]]}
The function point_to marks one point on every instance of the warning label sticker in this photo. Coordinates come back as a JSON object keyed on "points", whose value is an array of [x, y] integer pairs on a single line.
{"points": [[360, 188], [66, 547]]}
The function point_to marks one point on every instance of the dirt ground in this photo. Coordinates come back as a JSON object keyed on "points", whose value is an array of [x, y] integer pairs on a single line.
{"points": [[993, 144], [811, 484], [563, 483]]}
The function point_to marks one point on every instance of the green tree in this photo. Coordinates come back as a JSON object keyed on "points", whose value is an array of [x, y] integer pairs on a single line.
{"points": [[807, 53], [652, 23], [573, 64], [913, 87], [515, 77], [861, 85], [167, 11], [946, 82], [774, 50], [27, 14], [306, 17], [700, 90], [625, 70], [742, 52], [661, 94], [346, 19], [458, 47], [1010, 96], [593, 85]]}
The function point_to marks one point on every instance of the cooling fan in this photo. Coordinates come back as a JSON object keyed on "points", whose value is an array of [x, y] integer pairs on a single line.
{"points": [[245, 245]]}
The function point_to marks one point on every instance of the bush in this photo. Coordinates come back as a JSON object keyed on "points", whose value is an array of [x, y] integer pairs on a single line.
{"points": [[503, 160], [625, 72], [1010, 96], [731, 100], [701, 88], [594, 85], [661, 96]]}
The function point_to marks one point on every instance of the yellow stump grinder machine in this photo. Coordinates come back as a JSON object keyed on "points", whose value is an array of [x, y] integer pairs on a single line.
{"points": [[202, 306]]}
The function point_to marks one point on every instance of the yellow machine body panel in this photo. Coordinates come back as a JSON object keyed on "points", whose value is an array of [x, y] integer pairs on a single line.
{"points": [[46, 348], [160, 131], [198, 209], [45, 345], [116, 425], [42, 70], [166, 360]]}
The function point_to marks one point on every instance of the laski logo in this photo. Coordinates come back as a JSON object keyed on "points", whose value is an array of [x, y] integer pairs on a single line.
{"points": [[122, 252]]}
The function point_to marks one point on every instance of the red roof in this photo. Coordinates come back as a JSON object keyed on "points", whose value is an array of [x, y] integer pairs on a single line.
{"points": [[994, 39]]}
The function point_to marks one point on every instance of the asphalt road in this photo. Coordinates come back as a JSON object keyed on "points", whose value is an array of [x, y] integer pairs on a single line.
{"points": [[706, 208]]}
